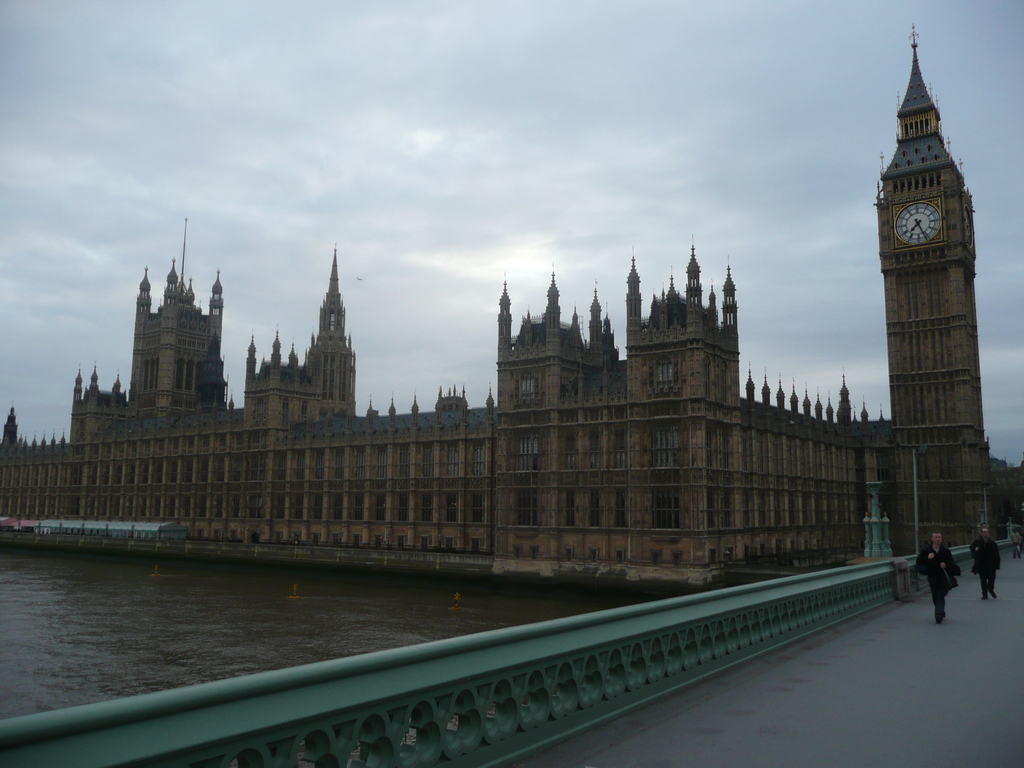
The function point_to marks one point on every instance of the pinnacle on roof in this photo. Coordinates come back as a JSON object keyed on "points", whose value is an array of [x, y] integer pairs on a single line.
{"points": [[172, 276], [729, 285], [552, 291], [917, 98], [333, 285], [693, 266], [144, 286], [672, 292], [217, 288]]}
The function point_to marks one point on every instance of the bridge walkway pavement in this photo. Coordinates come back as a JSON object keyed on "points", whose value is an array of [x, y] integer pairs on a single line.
{"points": [[887, 688]]}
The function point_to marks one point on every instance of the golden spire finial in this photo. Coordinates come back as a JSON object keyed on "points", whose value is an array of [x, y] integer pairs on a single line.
{"points": [[913, 37]]}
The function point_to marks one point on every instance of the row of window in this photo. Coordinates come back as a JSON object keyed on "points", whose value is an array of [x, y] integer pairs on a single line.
{"points": [[212, 469], [666, 451], [359, 507]]}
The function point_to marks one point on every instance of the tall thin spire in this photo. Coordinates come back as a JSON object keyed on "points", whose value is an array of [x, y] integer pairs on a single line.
{"points": [[917, 97], [333, 285], [184, 239]]}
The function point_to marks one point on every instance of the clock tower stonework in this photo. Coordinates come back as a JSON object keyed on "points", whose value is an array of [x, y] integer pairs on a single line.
{"points": [[927, 250]]}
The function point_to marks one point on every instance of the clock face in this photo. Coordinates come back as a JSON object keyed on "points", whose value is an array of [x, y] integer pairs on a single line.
{"points": [[917, 223]]}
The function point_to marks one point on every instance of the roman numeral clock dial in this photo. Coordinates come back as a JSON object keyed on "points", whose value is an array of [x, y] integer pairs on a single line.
{"points": [[918, 223]]}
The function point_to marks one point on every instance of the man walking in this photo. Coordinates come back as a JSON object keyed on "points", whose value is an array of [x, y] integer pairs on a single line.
{"points": [[1015, 540], [986, 562], [937, 561]]}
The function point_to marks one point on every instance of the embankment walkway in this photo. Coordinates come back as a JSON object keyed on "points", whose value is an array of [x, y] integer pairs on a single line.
{"points": [[886, 688]]}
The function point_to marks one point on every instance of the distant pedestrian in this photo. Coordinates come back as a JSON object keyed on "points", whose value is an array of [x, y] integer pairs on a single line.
{"points": [[986, 562], [1015, 540], [937, 561]]}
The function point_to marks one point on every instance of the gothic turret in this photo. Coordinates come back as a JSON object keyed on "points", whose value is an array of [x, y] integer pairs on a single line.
{"points": [[144, 303], [595, 322], [504, 322], [275, 352], [171, 288], [553, 313], [633, 300], [845, 412], [694, 296], [250, 360], [10, 437], [217, 305], [729, 313], [332, 311]]}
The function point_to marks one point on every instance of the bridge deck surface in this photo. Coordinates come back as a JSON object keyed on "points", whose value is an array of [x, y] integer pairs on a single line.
{"points": [[886, 688]]}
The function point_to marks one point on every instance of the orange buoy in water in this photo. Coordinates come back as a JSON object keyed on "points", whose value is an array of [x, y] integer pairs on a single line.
{"points": [[456, 607], [295, 592], [156, 571]]}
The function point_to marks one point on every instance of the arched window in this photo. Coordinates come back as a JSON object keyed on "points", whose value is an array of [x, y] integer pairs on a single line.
{"points": [[663, 372]]}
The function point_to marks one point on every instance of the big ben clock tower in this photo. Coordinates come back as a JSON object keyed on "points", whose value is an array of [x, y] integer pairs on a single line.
{"points": [[927, 249]]}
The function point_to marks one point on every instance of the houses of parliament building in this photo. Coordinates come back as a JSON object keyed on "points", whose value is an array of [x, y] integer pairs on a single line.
{"points": [[663, 464]]}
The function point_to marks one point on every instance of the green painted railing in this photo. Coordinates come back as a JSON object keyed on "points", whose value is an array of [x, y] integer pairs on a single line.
{"points": [[479, 700]]}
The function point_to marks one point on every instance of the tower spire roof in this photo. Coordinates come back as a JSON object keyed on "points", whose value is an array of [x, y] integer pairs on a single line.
{"points": [[333, 285], [917, 98]]}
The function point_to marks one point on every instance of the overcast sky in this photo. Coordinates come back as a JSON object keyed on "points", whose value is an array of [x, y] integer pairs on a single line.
{"points": [[447, 146]]}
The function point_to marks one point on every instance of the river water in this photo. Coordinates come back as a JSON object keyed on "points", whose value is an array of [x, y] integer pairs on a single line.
{"points": [[75, 630]]}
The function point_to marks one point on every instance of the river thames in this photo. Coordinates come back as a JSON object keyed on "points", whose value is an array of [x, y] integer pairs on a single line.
{"points": [[75, 630]]}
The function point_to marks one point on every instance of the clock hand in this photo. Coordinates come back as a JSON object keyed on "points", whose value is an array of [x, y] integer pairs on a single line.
{"points": [[917, 225]]}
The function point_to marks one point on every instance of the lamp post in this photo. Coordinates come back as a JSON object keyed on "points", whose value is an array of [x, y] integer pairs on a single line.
{"points": [[919, 451], [984, 505]]}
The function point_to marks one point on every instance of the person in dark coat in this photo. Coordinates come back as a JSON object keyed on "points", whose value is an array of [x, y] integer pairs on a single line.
{"points": [[937, 560], [986, 562]]}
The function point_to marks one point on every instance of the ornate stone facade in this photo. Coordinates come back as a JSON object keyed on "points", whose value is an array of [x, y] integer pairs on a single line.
{"points": [[658, 465], [926, 245]]}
